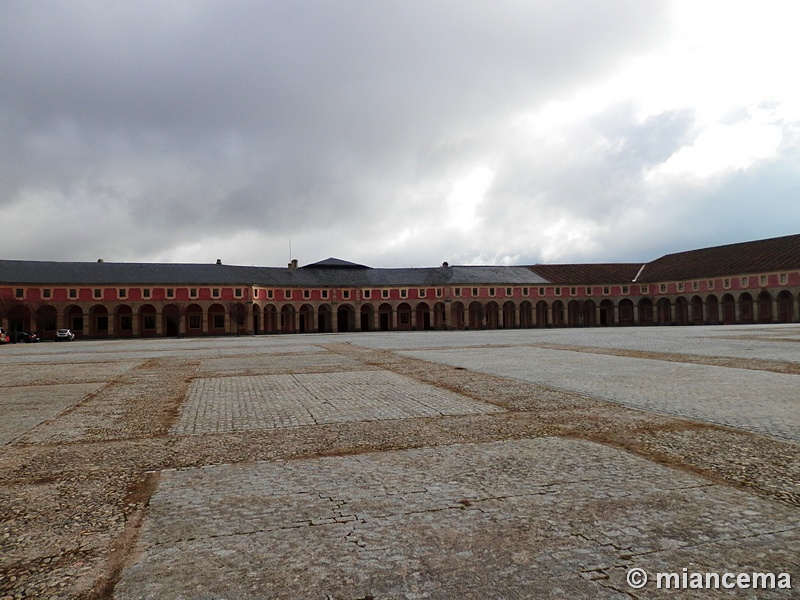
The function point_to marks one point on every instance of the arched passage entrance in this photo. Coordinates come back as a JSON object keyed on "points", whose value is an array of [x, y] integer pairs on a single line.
{"points": [[681, 311], [147, 320], [98, 319], [367, 313], [764, 307], [785, 308], [457, 315], [625, 309], [345, 318], [423, 316], [541, 313], [746, 314], [607, 313], [385, 319], [194, 319], [526, 314], [306, 322], [645, 311]]}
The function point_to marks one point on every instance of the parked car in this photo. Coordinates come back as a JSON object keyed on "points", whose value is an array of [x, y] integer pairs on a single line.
{"points": [[18, 337], [4, 339], [64, 334]]}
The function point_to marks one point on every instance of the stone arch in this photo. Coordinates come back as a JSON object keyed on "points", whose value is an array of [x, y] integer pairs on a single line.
{"points": [[123, 321], [270, 319], [423, 315], [509, 315], [305, 322], [541, 314], [589, 313], [324, 318], [47, 321], [746, 313], [457, 315], [287, 314], [607, 313], [574, 314], [765, 307], [386, 317], [238, 315], [785, 307], [558, 313], [367, 316], [626, 311], [712, 310], [681, 311], [728, 309], [215, 319], [404, 316], [439, 316], [256, 319], [526, 314], [194, 319], [492, 315], [148, 326], [98, 321], [696, 312], [476, 315], [646, 311], [345, 318], [664, 311], [74, 319]]}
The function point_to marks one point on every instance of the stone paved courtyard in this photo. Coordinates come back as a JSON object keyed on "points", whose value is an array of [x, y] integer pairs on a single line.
{"points": [[518, 464]]}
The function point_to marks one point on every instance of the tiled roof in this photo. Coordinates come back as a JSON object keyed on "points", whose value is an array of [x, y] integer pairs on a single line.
{"points": [[588, 273], [774, 254]]}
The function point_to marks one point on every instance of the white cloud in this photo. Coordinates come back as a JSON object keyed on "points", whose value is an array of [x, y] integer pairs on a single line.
{"points": [[719, 149], [466, 198]]}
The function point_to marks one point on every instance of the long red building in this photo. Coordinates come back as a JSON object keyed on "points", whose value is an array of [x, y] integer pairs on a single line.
{"points": [[748, 282]]}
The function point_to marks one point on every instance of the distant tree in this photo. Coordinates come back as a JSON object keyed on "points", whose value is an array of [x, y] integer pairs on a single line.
{"points": [[238, 313], [173, 313], [15, 310]]}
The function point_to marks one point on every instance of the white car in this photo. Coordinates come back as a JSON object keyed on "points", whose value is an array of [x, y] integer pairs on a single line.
{"points": [[64, 334]]}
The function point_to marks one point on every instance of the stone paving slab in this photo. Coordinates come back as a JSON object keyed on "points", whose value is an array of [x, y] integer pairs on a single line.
{"points": [[525, 518], [23, 408], [141, 349], [756, 401], [773, 342], [220, 404], [62, 373]]}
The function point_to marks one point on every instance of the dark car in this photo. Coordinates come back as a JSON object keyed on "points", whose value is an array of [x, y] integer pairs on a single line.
{"points": [[17, 337]]}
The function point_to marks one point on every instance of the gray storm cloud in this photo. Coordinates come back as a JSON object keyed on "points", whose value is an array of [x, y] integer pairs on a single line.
{"points": [[176, 131]]}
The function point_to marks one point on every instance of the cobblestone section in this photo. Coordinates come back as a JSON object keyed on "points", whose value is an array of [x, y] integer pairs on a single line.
{"points": [[449, 522], [76, 489], [756, 401], [268, 402], [307, 362]]}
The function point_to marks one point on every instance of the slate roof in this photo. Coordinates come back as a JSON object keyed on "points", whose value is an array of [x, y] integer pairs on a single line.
{"points": [[329, 274], [335, 263], [578, 274], [774, 254]]}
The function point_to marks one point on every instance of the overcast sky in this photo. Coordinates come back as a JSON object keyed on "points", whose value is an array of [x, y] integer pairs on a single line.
{"points": [[395, 133]]}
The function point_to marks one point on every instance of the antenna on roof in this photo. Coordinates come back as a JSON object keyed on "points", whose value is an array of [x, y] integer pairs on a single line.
{"points": [[290, 248]]}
